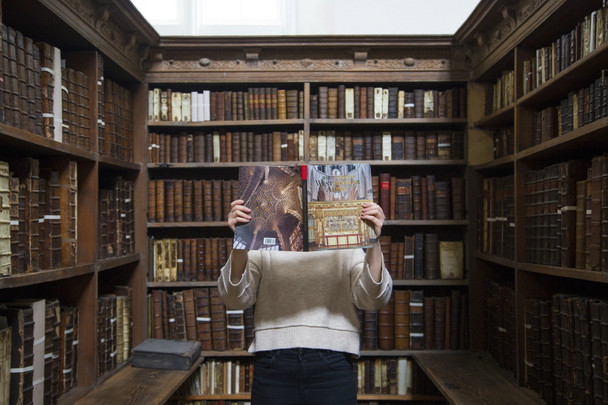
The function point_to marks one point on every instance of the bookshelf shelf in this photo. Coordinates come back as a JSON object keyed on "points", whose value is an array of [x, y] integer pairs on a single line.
{"points": [[223, 124], [423, 222], [113, 163], [388, 397], [431, 283], [500, 118], [209, 224], [12, 137], [218, 165], [584, 140], [496, 260], [45, 276], [392, 121], [226, 353], [577, 274], [502, 165], [113, 262], [181, 284], [398, 162], [214, 397], [582, 71]]}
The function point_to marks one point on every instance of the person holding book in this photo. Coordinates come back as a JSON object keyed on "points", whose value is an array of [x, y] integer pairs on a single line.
{"points": [[306, 322]]}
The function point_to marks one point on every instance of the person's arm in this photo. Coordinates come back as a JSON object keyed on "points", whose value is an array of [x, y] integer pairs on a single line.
{"points": [[238, 214], [374, 214]]}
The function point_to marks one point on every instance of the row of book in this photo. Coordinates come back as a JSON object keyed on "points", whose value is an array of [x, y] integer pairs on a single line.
{"points": [[116, 219], [359, 101], [187, 259], [332, 145], [181, 200], [412, 321], [38, 350], [503, 142], [114, 329], [580, 108], [565, 340], [568, 48], [566, 214], [500, 327], [420, 197], [219, 377], [40, 94], [423, 256], [38, 217], [115, 124], [496, 217], [329, 145], [257, 103], [501, 93], [225, 147], [199, 314]]}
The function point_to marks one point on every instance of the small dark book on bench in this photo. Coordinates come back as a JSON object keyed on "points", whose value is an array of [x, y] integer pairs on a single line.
{"points": [[166, 354]]}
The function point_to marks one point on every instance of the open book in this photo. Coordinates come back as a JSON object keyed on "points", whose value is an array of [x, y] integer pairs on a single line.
{"points": [[305, 208]]}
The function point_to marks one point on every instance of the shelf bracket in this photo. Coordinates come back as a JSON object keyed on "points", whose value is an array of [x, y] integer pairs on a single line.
{"points": [[360, 57], [252, 56]]}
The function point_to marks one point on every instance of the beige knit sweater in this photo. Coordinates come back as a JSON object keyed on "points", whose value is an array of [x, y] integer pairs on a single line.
{"points": [[306, 299]]}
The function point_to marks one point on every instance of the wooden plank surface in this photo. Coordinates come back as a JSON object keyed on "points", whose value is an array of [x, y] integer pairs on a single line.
{"points": [[472, 378], [133, 385]]}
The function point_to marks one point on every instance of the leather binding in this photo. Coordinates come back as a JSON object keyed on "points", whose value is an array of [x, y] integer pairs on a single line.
{"points": [[409, 110], [323, 101], [46, 89], [166, 354], [431, 200], [409, 145], [439, 323], [248, 321], [386, 335], [341, 106], [187, 200], [179, 315], [208, 259], [332, 103], [424, 197], [356, 101], [203, 317], [369, 334], [596, 212], [431, 256], [348, 145], [21, 322], [368, 145], [370, 102], [419, 256], [339, 146], [430, 146], [157, 314], [314, 106], [44, 240], [441, 102], [51, 350], [362, 103], [160, 200], [454, 324], [292, 104], [235, 329], [189, 314], [377, 144], [385, 192], [67, 352], [397, 145], [192, 269], [417, 330], [419, 103], [5, 218], [17, 228], [300, 104], [402, 319], [443, 194], [408, 258], [420, 145], [218, 320], [444, 145], [458, 198], [216, 194], [170, 200], [417, 197], [393, 93]]}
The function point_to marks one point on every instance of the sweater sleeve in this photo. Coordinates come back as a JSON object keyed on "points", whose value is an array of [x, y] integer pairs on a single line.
{"points": [[241, 295], [368, 294]]}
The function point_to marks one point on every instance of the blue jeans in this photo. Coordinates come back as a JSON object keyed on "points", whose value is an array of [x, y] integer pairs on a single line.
{"points": [[303, 376]]}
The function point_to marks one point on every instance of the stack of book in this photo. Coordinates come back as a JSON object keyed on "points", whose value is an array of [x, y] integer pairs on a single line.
{"points": [[199, 314], [256, 103], [411, 321], [359, 101], [228, 146], [116, 219], [219, 377], [42, 214], [114, 334], [116, 139], [190, 200], [187, 259]]}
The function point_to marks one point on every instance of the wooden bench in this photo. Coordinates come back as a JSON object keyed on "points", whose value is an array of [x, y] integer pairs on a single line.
{"points": [[472, 378], [133, 385]]}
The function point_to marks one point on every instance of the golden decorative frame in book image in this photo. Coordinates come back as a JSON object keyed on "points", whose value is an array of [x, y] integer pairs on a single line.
{"points": [[274, 195], [335, 197]]}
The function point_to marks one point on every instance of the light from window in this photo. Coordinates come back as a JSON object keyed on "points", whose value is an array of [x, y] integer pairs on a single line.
{"points": [[241, 12], [159, 11]]}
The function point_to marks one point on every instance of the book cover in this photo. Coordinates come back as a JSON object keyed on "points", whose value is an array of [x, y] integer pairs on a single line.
{"points": [[329, 198]]}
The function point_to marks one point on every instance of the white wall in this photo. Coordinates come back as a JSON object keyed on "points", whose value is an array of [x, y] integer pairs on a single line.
{"points": [[323, 17]]}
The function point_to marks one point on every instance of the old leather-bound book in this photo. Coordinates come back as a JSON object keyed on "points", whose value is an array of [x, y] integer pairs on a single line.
{"points": [[203, 317], [443, 200], [429, 322], [385, 180], [21, 322], [416, 320], [323, 101], [369, 334], [235, 326], [431, 256], [402, 319], [178, 201], [5, 218], [386, 324], [431, 200], [166, 354], [218, 320], [189, 314]]}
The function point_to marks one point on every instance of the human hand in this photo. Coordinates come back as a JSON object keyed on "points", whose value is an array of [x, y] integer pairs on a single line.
{"points": [[373, 212], [238, 214]]}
